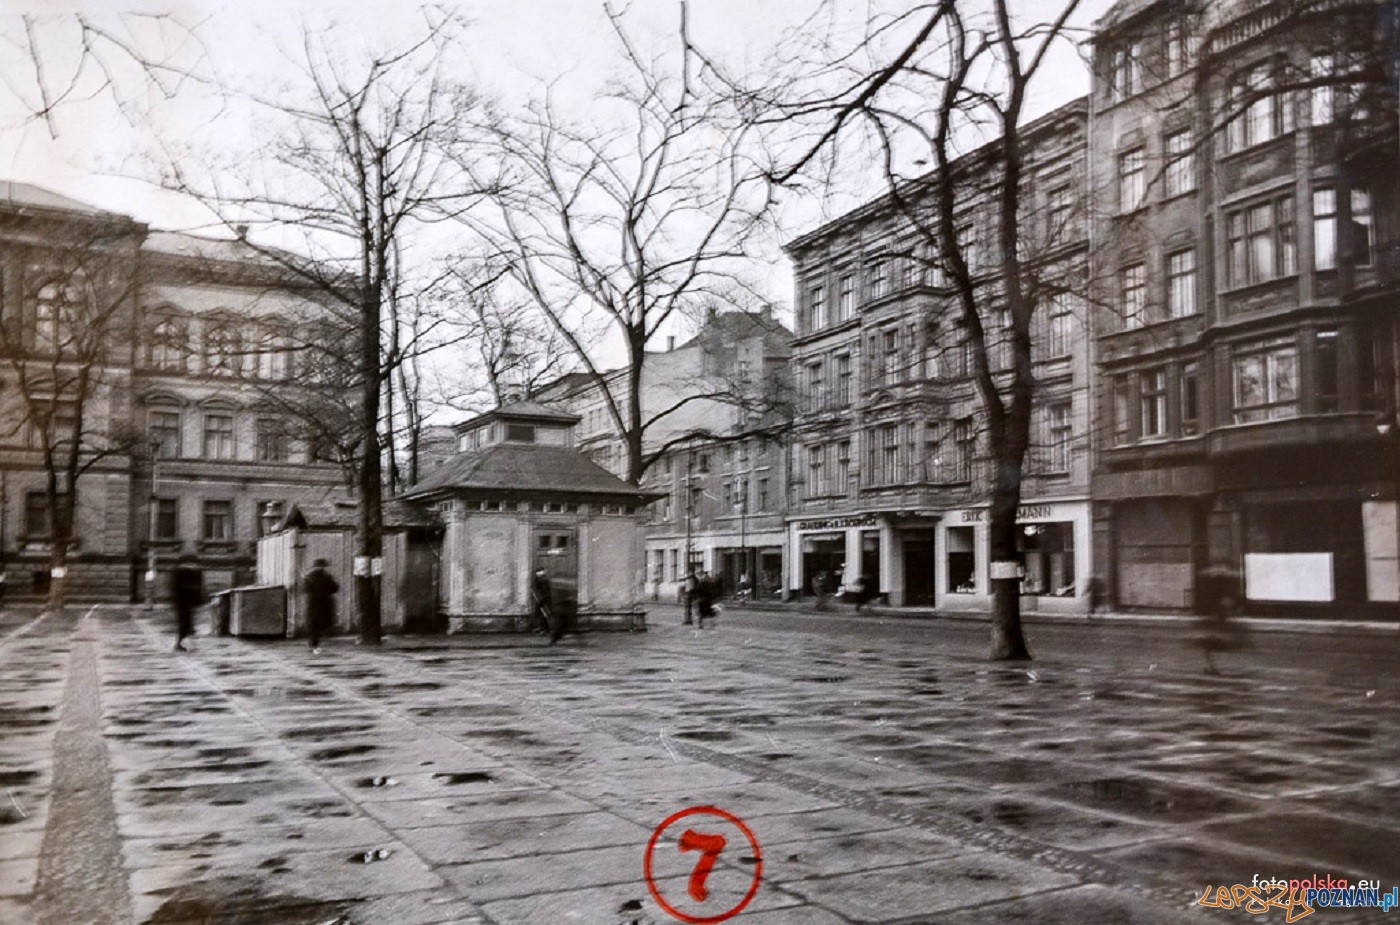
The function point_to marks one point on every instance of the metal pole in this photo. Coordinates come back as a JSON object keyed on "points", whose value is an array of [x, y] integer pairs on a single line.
{"points": [[743, 533], [689, 502], [151, 533]]}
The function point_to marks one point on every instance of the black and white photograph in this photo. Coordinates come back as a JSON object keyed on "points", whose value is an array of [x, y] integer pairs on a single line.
{"points": [[633, 462]]}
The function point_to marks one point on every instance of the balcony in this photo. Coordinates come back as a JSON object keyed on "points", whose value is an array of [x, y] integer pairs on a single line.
{"points": [[1328, 430]]}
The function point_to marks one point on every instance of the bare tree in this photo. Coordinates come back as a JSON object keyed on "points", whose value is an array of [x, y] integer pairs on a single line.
{"points": [[615, 227], [920, 88], [54, 61], [355, 171], [63, 351]]}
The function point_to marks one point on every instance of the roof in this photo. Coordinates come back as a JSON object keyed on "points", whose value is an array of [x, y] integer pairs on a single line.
{"points": [[397, 514], [528, 468], [183, 244], [521, 410], [732, 326], [14, 193]]}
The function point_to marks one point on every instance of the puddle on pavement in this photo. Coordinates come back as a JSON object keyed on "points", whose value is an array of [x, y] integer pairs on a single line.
{"points": [[1143, 799], [706, 735], [342, 751], [456, 778]]}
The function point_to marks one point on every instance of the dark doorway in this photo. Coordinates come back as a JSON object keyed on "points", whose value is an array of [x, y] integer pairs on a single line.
{"points": [[919, 571]]}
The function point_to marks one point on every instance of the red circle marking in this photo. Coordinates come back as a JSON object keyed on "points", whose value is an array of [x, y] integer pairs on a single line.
{"points": [[705, 919]]}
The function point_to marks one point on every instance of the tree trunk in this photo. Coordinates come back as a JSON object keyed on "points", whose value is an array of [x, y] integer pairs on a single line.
{"points": [[1008, 642], [61, 535], [371, 519]]}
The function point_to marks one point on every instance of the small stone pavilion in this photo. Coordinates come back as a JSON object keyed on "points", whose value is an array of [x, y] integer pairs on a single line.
{"points": [[516, 497]]}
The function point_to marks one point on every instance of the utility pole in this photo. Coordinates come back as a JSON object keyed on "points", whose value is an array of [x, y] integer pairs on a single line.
{"points": [[153, 504], [689, 506]]}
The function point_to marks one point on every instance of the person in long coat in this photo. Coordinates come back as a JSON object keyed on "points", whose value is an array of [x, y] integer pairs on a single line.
{"points": [[186, 593], [542, 592], [320, 590]]}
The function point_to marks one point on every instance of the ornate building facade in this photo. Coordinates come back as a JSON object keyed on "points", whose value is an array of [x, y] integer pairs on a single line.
{"points": [[170, 361]]}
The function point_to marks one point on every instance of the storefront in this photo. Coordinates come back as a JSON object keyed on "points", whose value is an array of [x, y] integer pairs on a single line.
{"points": [[834, 551], [1054, 544]]}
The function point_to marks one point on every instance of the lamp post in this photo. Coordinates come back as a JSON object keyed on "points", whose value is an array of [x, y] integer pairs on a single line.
{"points": [[156, 443]]}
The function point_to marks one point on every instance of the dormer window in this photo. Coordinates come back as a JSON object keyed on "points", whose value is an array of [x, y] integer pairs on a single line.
{"points": [[520, 433]]}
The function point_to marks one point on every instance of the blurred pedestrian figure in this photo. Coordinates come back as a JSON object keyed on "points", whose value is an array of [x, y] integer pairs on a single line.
{"points": [[186, 593], [546, 614], [320, 590], [705, 592], [1219, 630], [745, 587], [688, 591], [860, 590], [819, 589]]}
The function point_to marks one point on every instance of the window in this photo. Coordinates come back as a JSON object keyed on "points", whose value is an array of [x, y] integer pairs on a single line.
{"points": [[273, 442], [163, 430], [1335, 99], [762, 499], [1190, 399], [816, 397], [1266, 384], [1059, 212], [1131, 179], [1181, 284], [1177, 50], [727, 503], [843, 379], [167, 348], [167, 519], [843, 467], [1180, 175], [221, 350], [890, 360], [38, 525], [520, 433], [879, 279], [218, 522], [1152, 403], [1325, 229], [1257, 112], [889, 454], [274, 355], [218, 436], [1127, 71], [816, 484], [969, 240], [847, 305], [54, 317], [1133, 281], [1122, 419], [933, 455], [817, 307], [1359, 247], [1261, 244], [1327, 371], [1059, 326], [1059, 430], [962, 450]]}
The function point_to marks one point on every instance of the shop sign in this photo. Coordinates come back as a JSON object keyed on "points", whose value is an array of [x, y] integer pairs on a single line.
{"points": [[1023, 513], [837, 523]]}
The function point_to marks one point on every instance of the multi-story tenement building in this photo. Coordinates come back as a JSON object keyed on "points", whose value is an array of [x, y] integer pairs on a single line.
{"points": [[888, 472], [172, 358], [1244, 190], [722, 498]]}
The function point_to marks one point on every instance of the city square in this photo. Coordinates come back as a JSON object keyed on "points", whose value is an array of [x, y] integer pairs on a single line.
{"points": [[888, 772]]}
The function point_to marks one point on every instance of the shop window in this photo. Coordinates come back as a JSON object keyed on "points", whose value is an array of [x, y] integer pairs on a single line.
{"points": [[962, 561], [1047, 552]]}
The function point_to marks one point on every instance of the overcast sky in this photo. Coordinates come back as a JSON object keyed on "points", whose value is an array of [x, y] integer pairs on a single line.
{"points": [[513, 44]]}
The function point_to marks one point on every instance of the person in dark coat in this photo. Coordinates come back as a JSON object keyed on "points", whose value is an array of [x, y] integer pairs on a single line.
{"points": [[320, 589], [542, 593], [706, 590], [186, 593]]}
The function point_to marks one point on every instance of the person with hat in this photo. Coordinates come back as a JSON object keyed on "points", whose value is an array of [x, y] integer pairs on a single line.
{"points": [[320, 590]]}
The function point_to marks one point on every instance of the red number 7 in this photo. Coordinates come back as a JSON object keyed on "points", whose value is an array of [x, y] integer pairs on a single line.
{"points": [[709, 847]]}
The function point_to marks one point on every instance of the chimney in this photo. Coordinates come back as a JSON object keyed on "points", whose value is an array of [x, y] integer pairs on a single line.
{"points": [[670, 342], [242, 231]]}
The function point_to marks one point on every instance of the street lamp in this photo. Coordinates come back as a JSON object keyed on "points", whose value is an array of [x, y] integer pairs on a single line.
{"points": [[153, 504]]}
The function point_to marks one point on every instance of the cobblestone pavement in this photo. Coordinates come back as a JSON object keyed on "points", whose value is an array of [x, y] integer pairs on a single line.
{"points": [[886, 777]]}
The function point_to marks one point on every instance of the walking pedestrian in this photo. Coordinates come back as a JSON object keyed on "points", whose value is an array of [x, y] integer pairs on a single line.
{"points": [[858, 592], [546, 619], [705, 592], [1219, 630], [186, 593], [320, 589]]}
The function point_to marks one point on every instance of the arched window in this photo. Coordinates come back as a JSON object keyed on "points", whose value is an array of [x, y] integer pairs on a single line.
{"points": [[54, 316], [166, 346], [222, 349]]}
